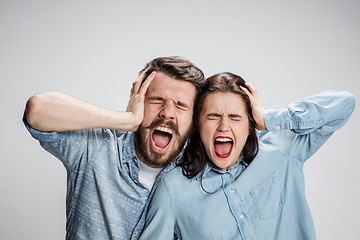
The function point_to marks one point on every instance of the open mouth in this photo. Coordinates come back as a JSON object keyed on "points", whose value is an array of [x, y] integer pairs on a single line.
{"points": [[161, 137], [223, 146]]}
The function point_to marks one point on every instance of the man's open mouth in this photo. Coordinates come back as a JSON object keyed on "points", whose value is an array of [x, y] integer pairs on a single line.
{"points": [[223, 146], [161, 137]]}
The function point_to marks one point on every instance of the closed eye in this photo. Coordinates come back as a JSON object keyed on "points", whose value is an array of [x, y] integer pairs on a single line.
{"points": [[235, 117], [156, 100], [213, 116], [159, 100], [182, 105]]}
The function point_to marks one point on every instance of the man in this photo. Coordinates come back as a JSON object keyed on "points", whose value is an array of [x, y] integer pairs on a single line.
{"points": [[111, 170]]}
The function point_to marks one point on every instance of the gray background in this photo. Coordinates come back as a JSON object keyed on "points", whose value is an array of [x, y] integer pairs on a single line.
{"points": [[94, 49]]}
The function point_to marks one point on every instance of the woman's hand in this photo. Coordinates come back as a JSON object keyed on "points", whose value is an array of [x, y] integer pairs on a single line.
{"points": [[257, 109], [137, 97]]}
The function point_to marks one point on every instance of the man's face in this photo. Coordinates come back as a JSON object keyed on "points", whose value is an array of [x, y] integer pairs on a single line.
{"points": [[167, 120]]}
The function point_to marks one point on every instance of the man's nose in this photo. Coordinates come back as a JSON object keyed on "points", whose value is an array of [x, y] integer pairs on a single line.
{"points": [[168, 109]]}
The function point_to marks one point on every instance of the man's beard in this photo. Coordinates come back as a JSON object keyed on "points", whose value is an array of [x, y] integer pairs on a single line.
{"points": [[145, 152]]}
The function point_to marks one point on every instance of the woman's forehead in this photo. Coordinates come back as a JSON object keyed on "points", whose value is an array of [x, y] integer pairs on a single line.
{"points": [[223, 101]]}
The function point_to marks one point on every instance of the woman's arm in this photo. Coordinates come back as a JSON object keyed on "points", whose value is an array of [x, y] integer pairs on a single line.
{"points": [[302, 127]]}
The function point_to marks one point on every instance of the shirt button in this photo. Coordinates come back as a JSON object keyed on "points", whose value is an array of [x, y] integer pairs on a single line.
{"points": [[232, 191], [228, 175], [242, 216], [277, 127]]}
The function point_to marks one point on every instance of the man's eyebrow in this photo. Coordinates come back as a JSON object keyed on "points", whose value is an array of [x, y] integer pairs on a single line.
{"points": [[182, 104], [156, 98], [234, 115]]}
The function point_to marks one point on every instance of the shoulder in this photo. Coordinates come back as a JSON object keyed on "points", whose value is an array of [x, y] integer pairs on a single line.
{"points": [[168, 186], [269, 148], [174, 188], [268, 141], [174, 175], [174, 180]]}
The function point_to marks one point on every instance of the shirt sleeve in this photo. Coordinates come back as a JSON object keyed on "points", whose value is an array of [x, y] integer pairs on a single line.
{"points": [[160, 223], [302, 127], [67, 146]]}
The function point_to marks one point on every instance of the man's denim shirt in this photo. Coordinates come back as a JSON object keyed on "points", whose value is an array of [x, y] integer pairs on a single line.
{"points": [[265, 200], [105, 199]]}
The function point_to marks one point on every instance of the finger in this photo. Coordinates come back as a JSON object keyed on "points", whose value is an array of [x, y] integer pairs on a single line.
{"points": [[253, 90], [132, 89], [247, 92], [136, 85], [146, 84]]}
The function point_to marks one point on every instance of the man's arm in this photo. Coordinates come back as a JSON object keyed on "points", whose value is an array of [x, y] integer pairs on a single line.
{"points": [[54, 111]]}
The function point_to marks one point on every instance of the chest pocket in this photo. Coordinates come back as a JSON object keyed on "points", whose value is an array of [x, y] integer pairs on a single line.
{"points": [[268, 197]]}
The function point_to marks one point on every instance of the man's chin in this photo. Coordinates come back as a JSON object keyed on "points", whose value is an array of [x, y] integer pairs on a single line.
{"points": [[158, 160], [152, 157]]}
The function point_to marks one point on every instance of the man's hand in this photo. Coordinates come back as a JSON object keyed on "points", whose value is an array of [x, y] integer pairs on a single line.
{"points": [[257, 109], [54, 111], [137, 98]]}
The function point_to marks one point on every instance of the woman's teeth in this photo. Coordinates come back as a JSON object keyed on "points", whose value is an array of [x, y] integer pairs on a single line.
{"points": [[223, 140]]}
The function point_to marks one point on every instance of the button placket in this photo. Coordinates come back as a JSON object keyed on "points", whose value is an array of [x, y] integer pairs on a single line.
{"points": [[235, 205]]}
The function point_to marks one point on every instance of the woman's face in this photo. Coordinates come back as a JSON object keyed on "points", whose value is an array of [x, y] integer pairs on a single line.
{"points": [[224, 128]]}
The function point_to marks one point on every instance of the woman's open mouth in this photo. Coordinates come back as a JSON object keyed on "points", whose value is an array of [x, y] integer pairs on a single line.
{"points": [[223, 146]]}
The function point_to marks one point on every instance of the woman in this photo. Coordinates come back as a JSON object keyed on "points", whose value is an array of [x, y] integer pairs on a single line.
{"points": [[233, 184]]}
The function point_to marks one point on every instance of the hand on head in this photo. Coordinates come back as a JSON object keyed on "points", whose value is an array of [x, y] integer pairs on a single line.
{"points": [[137, 98], [257, 109]]}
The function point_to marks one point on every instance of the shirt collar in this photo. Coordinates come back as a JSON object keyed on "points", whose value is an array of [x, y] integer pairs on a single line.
{"points": [[210, 167], [128, 148]]}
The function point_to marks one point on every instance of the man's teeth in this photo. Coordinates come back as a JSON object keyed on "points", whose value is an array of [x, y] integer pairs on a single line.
{"points": [[164, 129], [223, 140]]}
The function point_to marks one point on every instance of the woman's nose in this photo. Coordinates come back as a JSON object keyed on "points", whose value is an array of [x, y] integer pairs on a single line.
{"points": [[223, 125]]}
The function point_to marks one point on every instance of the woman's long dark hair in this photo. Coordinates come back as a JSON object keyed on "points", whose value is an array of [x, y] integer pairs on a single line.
{"points": [[195, 158]]}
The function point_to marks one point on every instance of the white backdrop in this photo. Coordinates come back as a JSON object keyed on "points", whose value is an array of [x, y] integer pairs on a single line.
{"points": [[94, 49]]}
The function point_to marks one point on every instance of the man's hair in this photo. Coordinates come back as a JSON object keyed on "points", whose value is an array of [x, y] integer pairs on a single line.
{"points": [[195, 158], [177, 68]]}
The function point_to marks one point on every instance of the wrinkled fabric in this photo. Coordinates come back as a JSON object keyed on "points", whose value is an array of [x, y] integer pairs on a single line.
{"points": [[104, 199], [265, 200]]}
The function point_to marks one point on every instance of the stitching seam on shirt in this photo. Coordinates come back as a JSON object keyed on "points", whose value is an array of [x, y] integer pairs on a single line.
{"points": [[171, 200]]}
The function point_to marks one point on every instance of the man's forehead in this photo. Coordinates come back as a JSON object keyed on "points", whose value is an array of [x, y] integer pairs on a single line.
{"points": [[165, 86], [163, 78]]}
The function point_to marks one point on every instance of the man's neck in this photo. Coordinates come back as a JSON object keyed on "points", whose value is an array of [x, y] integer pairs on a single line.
{"points": [[147, 174]]}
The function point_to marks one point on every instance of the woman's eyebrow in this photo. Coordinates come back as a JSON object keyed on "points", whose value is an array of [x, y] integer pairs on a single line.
{"points": [[213, 115]]}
